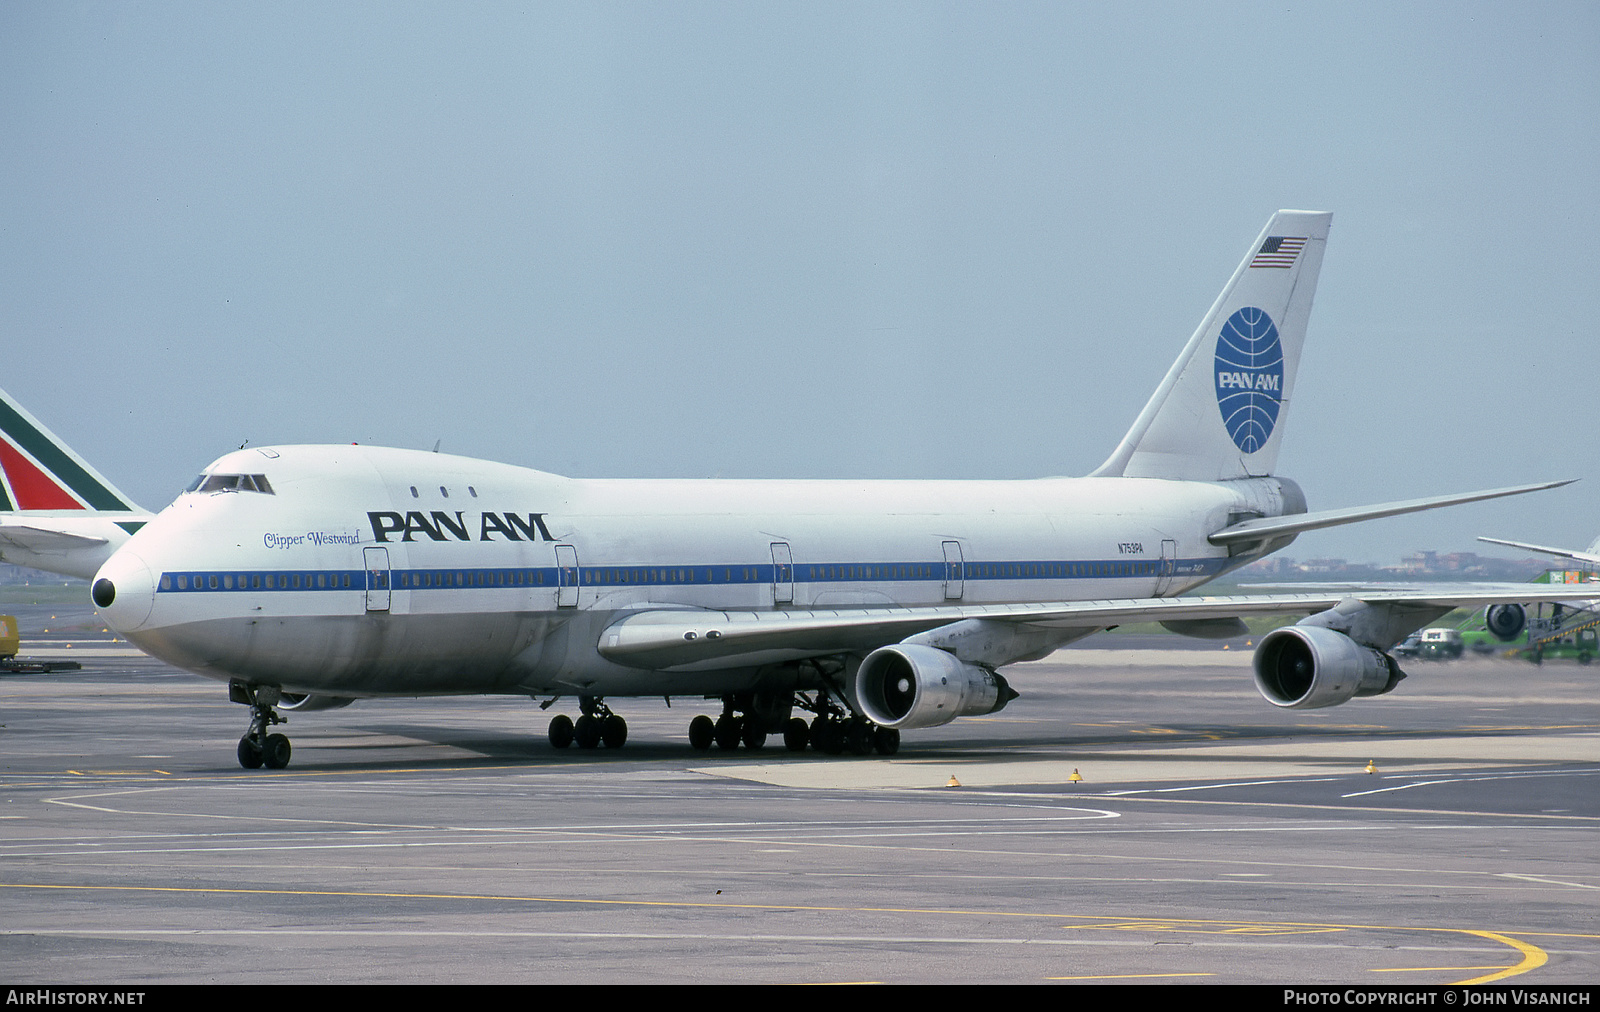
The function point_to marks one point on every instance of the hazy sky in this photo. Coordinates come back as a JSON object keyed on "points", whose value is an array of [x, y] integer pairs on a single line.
{"points": [[809, 240]]}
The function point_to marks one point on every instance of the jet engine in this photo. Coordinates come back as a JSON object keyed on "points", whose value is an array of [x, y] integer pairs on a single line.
{"points": [[1303, 667], [1505, 621], [909, 685], [303, 702]]}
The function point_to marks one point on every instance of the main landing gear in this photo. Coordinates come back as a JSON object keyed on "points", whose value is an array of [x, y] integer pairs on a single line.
{"points": [[747, 719], [258, 748], [598, 725], [833, 731]]}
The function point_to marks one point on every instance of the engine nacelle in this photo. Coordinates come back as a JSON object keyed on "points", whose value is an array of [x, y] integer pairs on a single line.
{"points": [[303, 702], [1505, 621], [909, 685], [1303, 667]]}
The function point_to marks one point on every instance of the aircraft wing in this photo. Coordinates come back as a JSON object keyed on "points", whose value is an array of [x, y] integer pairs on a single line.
{"points": [[692, 640]]}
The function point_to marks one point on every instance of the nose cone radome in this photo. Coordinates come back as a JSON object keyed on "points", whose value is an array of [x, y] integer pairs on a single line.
{"points": [[124, 591]]}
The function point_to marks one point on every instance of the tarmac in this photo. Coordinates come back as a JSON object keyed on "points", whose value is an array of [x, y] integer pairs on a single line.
{"points": [[1442, 834]]}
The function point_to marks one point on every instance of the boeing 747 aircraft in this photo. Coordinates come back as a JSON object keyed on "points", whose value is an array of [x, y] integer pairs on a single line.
{"points": [[310, 576]]}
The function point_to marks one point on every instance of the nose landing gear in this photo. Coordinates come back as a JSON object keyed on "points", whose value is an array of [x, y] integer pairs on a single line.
{"points": [[258, 748]]}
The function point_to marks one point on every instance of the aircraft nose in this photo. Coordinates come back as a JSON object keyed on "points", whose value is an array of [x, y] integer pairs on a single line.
{"points": [[124, 591]]}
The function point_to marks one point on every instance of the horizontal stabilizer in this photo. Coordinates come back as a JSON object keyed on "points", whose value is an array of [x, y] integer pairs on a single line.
{"points": [[40, 539], [1592, 556], [1274, 527]]}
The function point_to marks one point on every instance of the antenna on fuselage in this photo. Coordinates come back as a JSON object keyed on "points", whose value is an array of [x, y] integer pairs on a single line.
{"points": [[436, 443]]}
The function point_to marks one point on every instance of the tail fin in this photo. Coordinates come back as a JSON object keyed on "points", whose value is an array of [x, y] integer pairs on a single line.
{"points": [[40, 472], [1218, 414]]}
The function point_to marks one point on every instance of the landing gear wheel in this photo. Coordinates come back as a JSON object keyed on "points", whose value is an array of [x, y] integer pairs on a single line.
{"points": [[614, 731], [858, 737], [729, 730], [258, 748], [702, 732], [275, 756], [827, 736], [249, 755], [754, 735], [886, 740], [586, 732], [796, 735], [560, 730]]}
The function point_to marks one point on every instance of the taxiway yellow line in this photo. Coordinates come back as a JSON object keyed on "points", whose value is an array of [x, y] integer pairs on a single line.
{"points": [[1532, 956]]}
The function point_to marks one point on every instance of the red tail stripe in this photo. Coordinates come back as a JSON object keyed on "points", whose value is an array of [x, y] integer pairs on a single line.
{"points": [[33, 488]]}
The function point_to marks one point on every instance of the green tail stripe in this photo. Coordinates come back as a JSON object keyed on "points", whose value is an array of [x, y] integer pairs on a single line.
{"points": [[5, 500], [62, 467], [131, 526]]}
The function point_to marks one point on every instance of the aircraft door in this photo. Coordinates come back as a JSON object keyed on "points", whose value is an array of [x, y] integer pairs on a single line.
{"points": [[566, 576], [782, 573], [377, 563], [1169, 566], [954, 583]]}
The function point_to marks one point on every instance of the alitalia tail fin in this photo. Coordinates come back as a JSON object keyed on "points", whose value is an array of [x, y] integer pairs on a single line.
{"points": [[57, 513], [40, 472], [1219, 412]]}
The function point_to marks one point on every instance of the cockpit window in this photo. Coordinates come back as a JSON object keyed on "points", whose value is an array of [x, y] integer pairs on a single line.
{"points": [[231, 483]]}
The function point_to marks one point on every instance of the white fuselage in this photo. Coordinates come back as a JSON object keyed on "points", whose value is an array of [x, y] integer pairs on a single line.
{"points": [[369, 571]]}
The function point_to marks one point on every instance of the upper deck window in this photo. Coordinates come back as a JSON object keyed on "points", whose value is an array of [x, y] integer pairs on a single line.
{"points": [[231, 483]]}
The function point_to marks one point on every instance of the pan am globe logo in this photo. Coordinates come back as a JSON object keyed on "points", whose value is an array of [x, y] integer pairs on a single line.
{"points": [[1249, 377]]}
